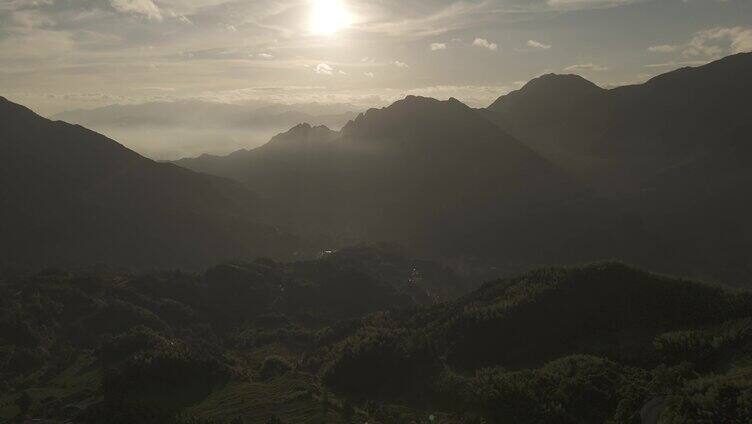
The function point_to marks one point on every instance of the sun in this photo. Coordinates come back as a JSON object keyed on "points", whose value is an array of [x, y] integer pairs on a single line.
{"points": [[328, 16]]}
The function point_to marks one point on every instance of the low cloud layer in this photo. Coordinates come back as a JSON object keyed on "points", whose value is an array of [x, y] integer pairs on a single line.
{"points": [[168, 130], [586, 67]]}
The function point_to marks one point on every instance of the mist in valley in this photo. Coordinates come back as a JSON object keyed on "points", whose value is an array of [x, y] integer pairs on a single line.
{"points": [[190, 128]]}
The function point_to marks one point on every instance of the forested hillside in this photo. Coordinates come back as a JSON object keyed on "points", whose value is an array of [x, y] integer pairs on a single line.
{"points": [[345, 338]]}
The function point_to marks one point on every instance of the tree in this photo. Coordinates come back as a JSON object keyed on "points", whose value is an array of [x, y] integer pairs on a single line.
{"points": [[274, 420], [24, 403], [348, 412]]}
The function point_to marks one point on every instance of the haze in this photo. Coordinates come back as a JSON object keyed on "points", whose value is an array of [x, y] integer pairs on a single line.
{"points": [[57, 56], [375, 211]]}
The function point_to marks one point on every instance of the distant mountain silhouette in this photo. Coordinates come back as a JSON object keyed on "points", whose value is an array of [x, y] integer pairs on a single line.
{"points": [[71, 196], [558, 116], [297, 143], [673, 151], [552, 92], [434, 175], [203, 114], [624, 136], [184, 128], [558, 171]]}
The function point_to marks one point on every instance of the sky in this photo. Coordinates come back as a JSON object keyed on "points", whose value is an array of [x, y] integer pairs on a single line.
{"points": [[58, 55]]}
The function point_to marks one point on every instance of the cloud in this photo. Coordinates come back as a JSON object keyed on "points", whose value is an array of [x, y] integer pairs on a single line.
{"points": [[419, 19], [715, 42], [70, 45], [586, 67], [141, 7], [663, 48], [399, 64], [472, 95], [482, 42], [538, 45], [707, 44], [323, 69], [427, 19], [673, 64], [326, 69], [587, 4]]}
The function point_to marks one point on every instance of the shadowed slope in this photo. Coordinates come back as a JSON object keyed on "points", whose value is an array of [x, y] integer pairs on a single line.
{"points": [[672, 152], [70, 195], [431, 174]]}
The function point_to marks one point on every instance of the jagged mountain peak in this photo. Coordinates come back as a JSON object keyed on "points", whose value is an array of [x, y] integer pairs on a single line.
{"points": [[416, 115], [302, 134]]}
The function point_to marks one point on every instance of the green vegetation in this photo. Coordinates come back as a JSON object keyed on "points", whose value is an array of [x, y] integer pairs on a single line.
{"points": [[264, 342], [581, 344], [175, 346]]}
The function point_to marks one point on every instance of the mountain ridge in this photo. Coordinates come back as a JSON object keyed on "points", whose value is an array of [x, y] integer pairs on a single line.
{"points": [[411, 173], [114, 206], [671, 152], [550, 84]]}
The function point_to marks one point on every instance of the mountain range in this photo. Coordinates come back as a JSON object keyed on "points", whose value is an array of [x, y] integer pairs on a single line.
{"points": [[673, 152], [252, 288], [433, 175], [559, 171], [628, 135], [70, 196], [652, 173], [202, 114]]}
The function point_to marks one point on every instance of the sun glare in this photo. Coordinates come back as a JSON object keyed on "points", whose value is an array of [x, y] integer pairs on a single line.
{"points": [[328, 16]]}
